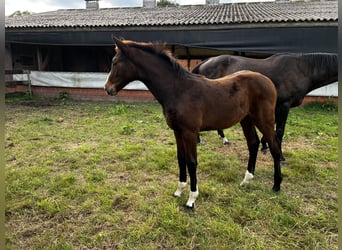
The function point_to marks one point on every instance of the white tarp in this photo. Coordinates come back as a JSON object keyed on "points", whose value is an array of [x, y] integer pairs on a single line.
{"points": [[73, 80], [97, 80], [329, 90]]}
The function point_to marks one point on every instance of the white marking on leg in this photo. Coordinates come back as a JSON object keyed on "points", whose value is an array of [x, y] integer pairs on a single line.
{"points": [[192, 198], [248, 177], [225, 141], [180, 189]]}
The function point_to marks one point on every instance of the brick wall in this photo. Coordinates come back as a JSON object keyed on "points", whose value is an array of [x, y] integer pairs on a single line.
{"points": [[124, 95]]}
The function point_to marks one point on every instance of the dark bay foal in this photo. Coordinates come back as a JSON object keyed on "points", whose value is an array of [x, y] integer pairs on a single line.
{"points": [[192, 103]]}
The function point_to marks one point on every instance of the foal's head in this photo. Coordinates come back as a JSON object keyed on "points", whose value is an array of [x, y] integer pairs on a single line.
{"points": [[122, 70], [131, 57]]}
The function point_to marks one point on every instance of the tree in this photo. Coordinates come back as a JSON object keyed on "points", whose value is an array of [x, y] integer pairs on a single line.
{"points": [[20, 13], [164, 3]]}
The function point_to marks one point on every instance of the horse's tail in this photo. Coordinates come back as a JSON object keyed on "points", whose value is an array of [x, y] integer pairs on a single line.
{"points": [[195, 70]]}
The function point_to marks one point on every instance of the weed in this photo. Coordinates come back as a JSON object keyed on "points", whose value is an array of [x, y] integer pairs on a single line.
{"points": [[126, 130], [63, 96], [118, 109], [329, 105]]}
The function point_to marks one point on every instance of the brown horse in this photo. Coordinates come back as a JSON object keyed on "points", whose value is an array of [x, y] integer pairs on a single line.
{"points": [[294, 76], [192, 103]]}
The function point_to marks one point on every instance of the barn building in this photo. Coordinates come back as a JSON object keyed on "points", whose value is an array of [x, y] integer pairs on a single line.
{"points": [[77, 42]]}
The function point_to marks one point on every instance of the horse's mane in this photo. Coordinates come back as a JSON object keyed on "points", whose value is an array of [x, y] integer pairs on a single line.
{"points": [[320, 60], [159, 50]]}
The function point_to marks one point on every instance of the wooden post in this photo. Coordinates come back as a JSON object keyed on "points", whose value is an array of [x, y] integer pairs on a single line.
{"points": [[188, 57], [42, 62]]}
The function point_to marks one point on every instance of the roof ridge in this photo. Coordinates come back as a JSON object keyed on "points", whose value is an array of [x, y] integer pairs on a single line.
{"points": [[184, 15]]}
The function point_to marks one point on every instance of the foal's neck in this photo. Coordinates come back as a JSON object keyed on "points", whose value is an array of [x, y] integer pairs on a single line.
{"points": [[160, 77]]}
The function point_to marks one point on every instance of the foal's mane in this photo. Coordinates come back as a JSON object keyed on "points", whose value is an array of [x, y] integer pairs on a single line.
{"points": [[160, 51]]}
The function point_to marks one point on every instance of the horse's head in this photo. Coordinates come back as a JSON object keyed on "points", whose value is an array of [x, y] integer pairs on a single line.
{"points": [[122, 70]]}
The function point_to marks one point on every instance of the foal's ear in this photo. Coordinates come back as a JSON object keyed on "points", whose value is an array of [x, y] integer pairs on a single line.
{"points": [[114, 38], [119, 44]]}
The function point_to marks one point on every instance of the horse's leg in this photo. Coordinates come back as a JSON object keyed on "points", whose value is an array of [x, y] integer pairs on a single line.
{"points": [[253, 145], [181, 165], [281, 115], [199, 141], [264, 147], [223, 137]]}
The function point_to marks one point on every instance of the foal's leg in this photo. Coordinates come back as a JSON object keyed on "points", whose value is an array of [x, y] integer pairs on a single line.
{"points": [[253, 145], [266, 126], [274, 145], [181, 165], [281, 114], [223, 137], [187, 156], [190, 146]]}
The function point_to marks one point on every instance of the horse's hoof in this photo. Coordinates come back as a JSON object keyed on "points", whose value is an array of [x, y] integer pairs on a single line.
{"points": [[180, 189], [276, 189], [192, 207], [225, 141], [248, 177], [264, 150]]}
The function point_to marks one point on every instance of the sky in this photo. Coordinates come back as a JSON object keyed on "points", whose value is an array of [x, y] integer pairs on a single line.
{"points": [[48, 5]]}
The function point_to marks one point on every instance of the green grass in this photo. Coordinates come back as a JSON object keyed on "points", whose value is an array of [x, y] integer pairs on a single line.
{"points": [[101, 176]]}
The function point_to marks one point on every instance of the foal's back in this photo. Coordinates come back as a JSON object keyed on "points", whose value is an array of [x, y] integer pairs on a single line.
{"points": [[258, 85], [235, 96]]}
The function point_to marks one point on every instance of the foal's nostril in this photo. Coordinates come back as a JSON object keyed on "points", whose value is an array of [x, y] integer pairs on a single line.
{"points": [[110, 91]]}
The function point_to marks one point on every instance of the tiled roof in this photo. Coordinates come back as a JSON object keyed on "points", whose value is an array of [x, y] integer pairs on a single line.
{"points": [[252, 13]]}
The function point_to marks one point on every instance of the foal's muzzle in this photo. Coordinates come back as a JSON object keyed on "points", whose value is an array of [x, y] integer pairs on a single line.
{"points": [[110, 89]]}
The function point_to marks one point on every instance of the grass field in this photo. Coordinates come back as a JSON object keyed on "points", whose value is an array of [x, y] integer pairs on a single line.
{"points": [[84, 175]]}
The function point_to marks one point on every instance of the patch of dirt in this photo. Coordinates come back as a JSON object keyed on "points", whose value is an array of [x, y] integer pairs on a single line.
{"points": [[36, 103]]}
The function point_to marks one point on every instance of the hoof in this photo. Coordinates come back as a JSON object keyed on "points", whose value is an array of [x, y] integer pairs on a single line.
{"points": [[283, 162], [276, 189], [180, 189], [192, 198], [264, 150], [248, 177], [192, 207], [225, 141]]}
